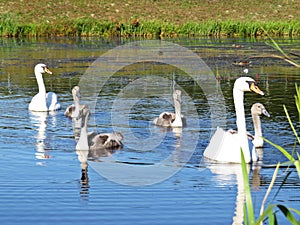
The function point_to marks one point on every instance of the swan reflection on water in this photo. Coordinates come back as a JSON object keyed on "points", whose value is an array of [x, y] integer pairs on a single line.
{"points": [[84, 181], [85, 150], [84, 155], [231, 173], [40, 121]]}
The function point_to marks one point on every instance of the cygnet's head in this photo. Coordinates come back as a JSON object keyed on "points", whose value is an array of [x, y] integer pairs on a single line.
{"points": [[177, 96], [259, 109], [76, 91]]}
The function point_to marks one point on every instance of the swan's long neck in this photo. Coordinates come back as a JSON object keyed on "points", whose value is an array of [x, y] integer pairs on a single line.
{"points": [[238, 97], [82, 143], [76, 114], [40, 81], [178, 120], [84, 123], [257, 125], [77, 106]]}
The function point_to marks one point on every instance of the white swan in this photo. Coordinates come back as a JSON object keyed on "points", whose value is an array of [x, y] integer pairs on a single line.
{"points": [[94, 141], [225, 146], [170, 119], [43, 101], [74, 109], [257, 110], [82, 143]]}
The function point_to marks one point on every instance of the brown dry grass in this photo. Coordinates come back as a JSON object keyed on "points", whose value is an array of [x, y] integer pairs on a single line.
{"points": [[177, 12]]}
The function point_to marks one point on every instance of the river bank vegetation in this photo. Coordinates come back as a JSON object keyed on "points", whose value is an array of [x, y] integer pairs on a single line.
{"points": [[165, 18]]}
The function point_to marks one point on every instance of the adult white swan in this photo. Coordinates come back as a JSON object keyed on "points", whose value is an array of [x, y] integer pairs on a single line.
{"points": [[225, 146], [43, 101], [170, 119]]}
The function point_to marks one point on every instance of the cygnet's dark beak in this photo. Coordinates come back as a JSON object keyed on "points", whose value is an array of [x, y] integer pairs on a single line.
{"points": [[265, 112]]}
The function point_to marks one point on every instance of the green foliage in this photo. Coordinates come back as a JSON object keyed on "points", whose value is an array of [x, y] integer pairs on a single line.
{"points": [[8, 25], [284, 56], [297, 99], [271, 211], [292, 159], [249, 209], [11, 26]]}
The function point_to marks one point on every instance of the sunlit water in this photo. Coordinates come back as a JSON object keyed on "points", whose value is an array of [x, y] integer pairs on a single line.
{"points": [[41, 173]]}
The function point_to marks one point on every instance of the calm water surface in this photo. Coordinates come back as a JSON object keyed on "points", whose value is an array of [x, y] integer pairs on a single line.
{"points": [[41, 173]]}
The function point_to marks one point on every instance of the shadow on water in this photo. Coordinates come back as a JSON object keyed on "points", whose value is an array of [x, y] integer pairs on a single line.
{"points": [[196, 187]]}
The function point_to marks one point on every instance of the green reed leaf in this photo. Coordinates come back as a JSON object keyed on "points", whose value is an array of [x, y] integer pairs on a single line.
{"points": [[291, 124], [249, 206], [283, 151], [290, 217]]}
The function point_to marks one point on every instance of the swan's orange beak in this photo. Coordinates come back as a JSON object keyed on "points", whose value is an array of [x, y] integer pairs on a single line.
{"points": [[255, 89], [47, 70]]}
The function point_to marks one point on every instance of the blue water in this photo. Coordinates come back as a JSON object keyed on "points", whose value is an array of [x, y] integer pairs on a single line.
{"points": [[41, 179]]}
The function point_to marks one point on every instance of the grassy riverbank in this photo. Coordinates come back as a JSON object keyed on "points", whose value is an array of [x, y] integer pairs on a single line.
{"points": [[150, 18]]}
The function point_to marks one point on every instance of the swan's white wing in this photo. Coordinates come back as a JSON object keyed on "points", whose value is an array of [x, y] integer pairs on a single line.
{"points": [[214, 147], [224, 146], [52, 102], [69, 111], [38, 103]]}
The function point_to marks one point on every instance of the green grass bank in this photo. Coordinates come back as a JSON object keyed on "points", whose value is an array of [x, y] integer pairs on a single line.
{"points": [[150, 18]]}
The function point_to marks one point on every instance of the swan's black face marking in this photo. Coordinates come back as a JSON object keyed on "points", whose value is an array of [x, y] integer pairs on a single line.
{"points": [[253, 87], [46, 69], [251, 83]]}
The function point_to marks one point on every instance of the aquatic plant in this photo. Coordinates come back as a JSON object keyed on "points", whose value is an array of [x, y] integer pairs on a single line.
{"points": [[284, 56], [272, 209], [294, 157]]}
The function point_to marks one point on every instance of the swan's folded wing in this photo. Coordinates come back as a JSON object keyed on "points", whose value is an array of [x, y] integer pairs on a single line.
{"points": [[168, 116], [69, 110], [111, 140], [52, 102], [225, 147], [165, 119], [215, 145]]}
